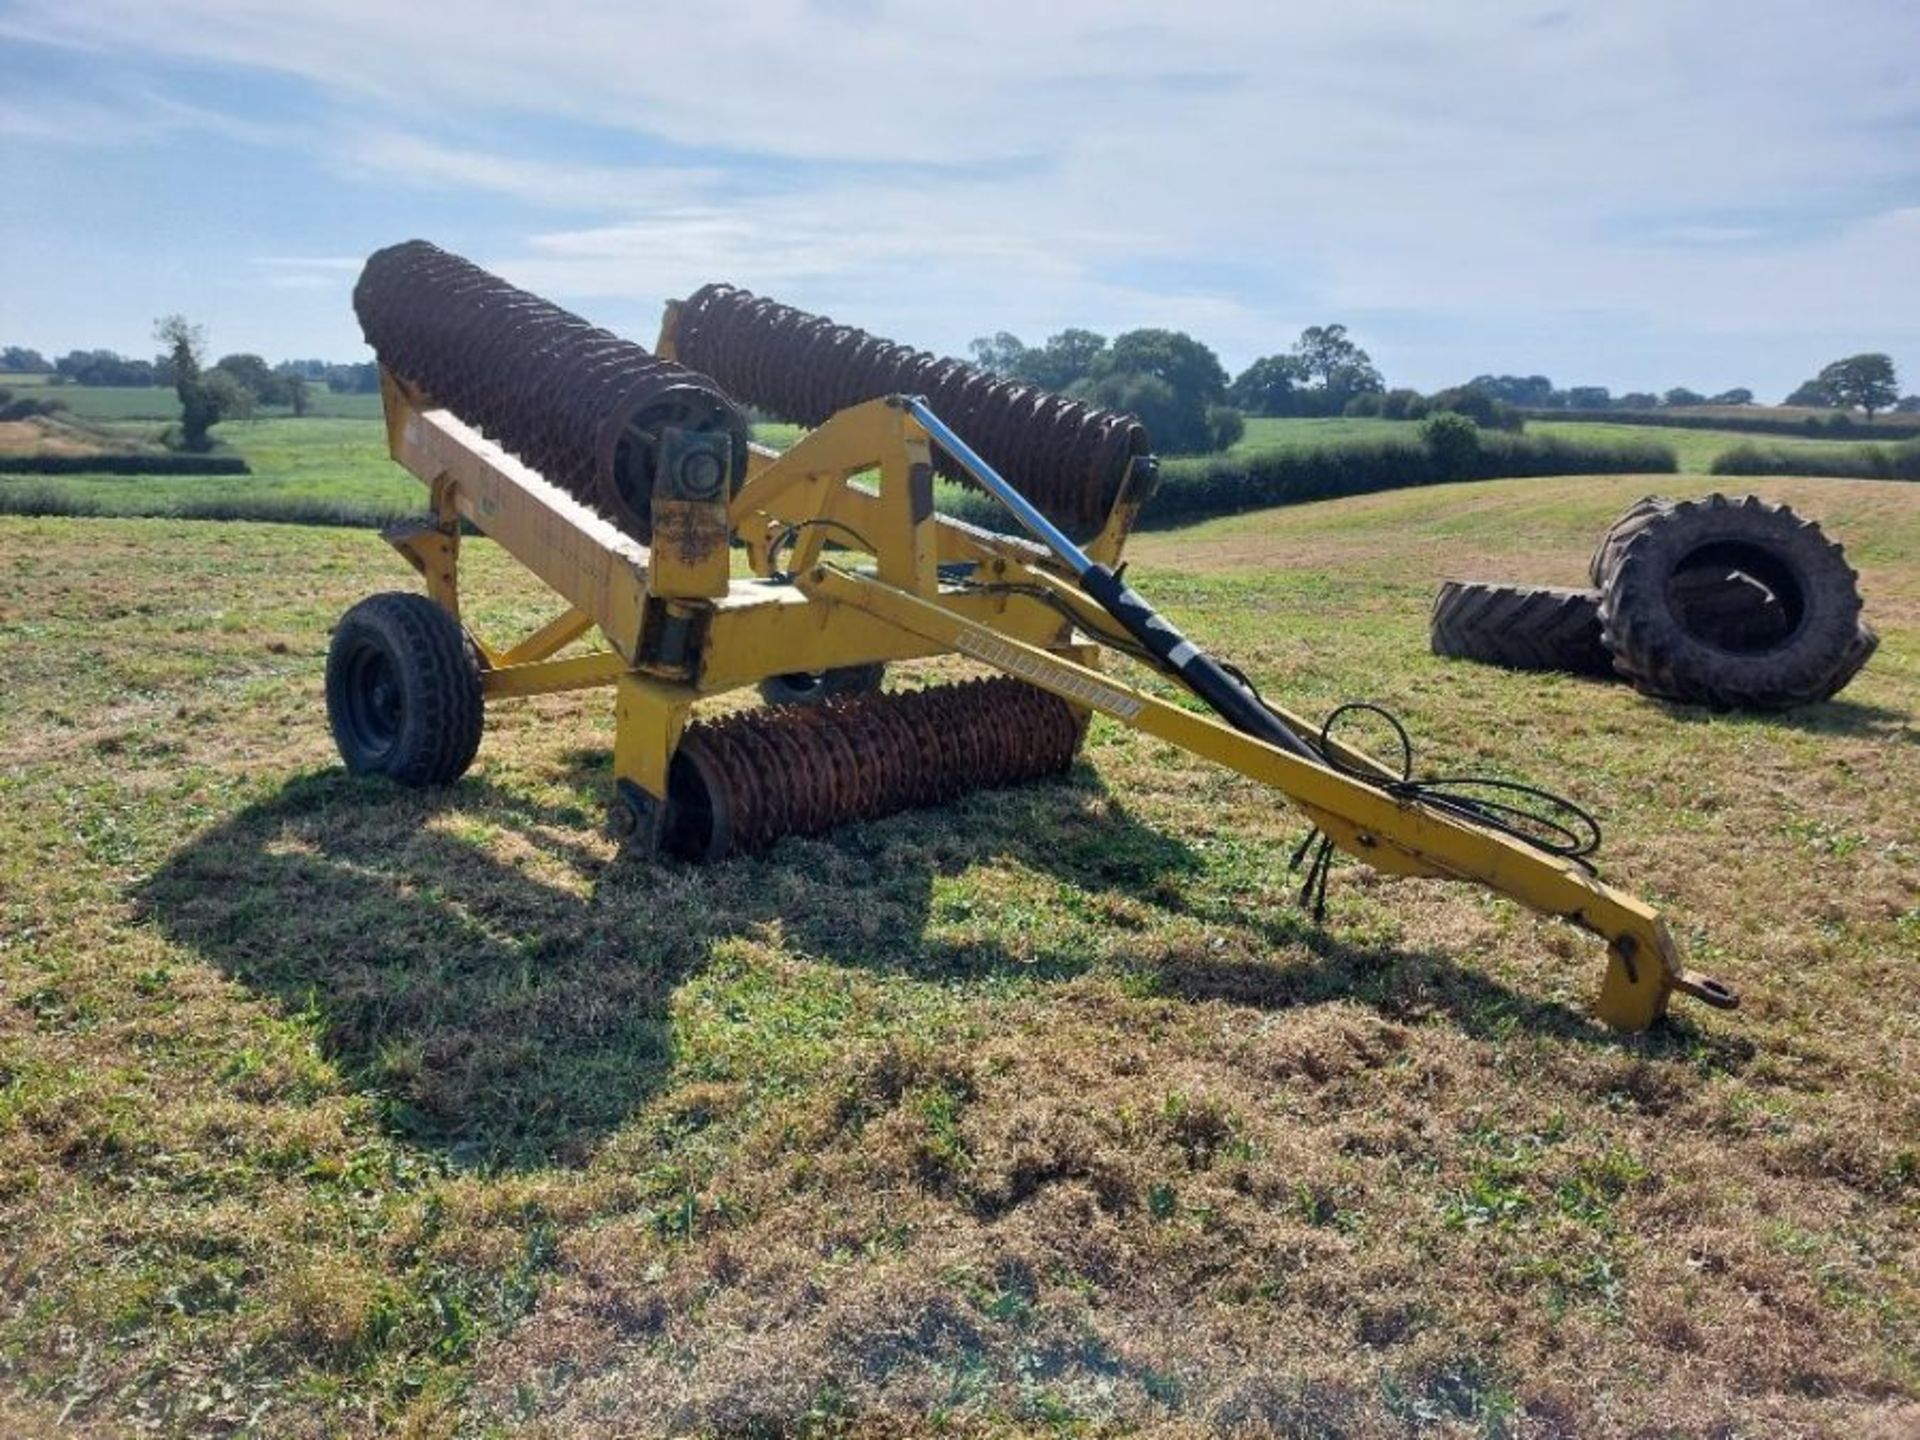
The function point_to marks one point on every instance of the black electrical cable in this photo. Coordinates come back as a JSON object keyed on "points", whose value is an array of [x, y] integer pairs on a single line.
{"points": [[1553, 824]]}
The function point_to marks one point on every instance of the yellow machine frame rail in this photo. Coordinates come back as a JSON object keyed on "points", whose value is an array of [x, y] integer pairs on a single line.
{"points": [[680, 627]]}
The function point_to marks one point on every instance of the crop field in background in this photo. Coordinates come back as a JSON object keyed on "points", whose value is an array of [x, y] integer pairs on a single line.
{"points": [[159, 403], [327, 1108]]}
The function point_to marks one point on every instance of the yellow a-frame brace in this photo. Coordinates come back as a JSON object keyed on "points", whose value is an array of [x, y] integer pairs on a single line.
{"points": [[680, 626]]}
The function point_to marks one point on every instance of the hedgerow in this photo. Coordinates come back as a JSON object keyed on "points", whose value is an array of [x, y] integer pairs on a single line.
{"points": [[1196, 488], [1857, 462], [123, 465], [1819, 427]]}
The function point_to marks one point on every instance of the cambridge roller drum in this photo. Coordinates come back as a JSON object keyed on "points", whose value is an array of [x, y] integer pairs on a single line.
{"points": [[578, 404], [1067, 457]]}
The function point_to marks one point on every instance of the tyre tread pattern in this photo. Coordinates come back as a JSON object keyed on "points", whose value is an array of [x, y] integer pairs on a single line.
{"points": [[1520, 627], [1636, 517]]}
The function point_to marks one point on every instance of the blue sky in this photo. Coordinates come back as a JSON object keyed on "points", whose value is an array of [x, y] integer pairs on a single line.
{"points": [[1635, 195]]}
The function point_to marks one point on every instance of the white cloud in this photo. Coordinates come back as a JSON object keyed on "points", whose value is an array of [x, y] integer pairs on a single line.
{"points": [[946, 171], [393, 155]]}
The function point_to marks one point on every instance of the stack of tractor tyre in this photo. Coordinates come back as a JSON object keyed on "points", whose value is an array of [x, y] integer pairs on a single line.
{"points": [[1728, 602]]}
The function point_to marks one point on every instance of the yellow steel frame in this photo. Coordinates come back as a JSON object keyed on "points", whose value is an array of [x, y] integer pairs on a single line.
{"points": [[863, 483]]}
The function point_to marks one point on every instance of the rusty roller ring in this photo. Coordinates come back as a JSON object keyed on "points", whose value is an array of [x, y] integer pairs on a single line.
{"points": [[741, 783]]}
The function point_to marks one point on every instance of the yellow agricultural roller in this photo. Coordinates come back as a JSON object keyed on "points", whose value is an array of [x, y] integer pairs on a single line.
{"points": [[624, 480]]}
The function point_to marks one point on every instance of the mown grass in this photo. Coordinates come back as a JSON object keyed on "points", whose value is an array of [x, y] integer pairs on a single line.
{"points": [[328, 1109]]}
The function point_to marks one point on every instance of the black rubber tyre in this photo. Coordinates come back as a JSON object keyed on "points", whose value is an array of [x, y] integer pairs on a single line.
{"points": [[1632, 520], [803, 688], [1866, 640], [1657, 642], [1730, 607], [1522, 627], [403, 691]]}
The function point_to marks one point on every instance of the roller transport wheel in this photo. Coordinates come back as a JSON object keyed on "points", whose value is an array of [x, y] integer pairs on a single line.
{"points": [[403, 691], [1656, 560], [812, 688], [1520, 627]]}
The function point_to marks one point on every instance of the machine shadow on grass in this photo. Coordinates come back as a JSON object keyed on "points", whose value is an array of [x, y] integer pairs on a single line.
{"points": [[1855, 719], [505, 993]]}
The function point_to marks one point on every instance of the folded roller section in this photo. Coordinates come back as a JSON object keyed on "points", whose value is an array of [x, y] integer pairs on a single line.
{"points": [[577, 403], [1069, 458]]}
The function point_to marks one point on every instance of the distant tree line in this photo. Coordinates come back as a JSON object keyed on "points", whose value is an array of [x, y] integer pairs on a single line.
{"points": [[1862, 382], [1173, 382], [1177, 386], [266, 384]]}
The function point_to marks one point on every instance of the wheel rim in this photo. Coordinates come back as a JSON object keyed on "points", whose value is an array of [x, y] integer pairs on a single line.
{"points": [[375, 708]]}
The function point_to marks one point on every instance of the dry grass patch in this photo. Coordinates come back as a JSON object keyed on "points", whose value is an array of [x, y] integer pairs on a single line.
{"points": [[330, 1110]]}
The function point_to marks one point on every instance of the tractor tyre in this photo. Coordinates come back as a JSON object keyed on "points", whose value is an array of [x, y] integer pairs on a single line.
{"points": [[403, 691], [1725, 605], [814, 688], [1632, 520], [1521, 627], [1866, 640], [1671, 648]]}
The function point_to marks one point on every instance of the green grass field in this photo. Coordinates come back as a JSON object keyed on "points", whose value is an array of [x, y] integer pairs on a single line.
{"points": [[327, 1109], [1268, 433], [326, 464], [333, 461], [311, 461], [1695, 449]]}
